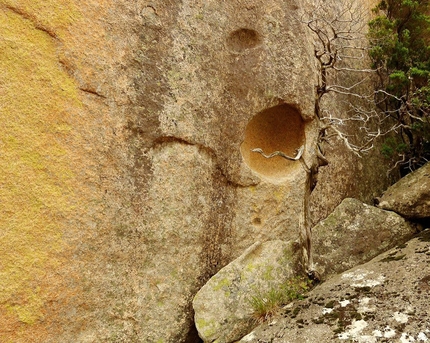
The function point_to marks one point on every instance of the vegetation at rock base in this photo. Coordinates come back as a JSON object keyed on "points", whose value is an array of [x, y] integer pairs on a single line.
{"points": [[266, 304], [400, 51]]}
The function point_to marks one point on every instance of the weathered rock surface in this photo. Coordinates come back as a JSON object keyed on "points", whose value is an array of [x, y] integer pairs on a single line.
{"points": [[223, 312], [126, 177], [384, 300], [410, 197], [355, 233]]}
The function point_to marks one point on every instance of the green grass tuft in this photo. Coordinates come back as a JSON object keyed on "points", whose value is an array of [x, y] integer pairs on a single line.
{"points": [[266, 304]]}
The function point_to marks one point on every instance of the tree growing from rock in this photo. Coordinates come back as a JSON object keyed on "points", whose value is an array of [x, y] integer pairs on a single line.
{"points": [[378, 71], [381, 75]]}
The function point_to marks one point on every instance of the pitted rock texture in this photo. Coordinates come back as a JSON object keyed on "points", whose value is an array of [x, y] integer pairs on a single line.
{"points": [[384, 300], [228, 62], [410, 197], [355, 233], [123, 187]]}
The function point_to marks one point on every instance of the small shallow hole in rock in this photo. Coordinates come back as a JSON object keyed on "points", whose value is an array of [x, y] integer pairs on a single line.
{"points": [[278, 128], [256, 221], [243, 39]]}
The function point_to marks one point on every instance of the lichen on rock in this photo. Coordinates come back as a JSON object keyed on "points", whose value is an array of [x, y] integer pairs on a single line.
{"points": [[223, 307], [37, 181], [372, 302], [355, 233]]}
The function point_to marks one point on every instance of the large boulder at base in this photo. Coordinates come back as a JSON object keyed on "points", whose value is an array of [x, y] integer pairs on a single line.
{"points": [[223, 312], [410, 197], [384, 300], [355, 233]]}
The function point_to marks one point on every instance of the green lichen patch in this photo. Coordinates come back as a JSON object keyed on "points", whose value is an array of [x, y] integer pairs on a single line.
{"points": [[207, 328], [268, 273], [222, 284]]}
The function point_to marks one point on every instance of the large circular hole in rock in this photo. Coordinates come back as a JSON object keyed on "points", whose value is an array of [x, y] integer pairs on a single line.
{"points": [[279, 128], [243, 39]]}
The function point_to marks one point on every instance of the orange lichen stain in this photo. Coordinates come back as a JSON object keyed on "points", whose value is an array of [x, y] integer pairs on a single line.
{"points": [[36, 180]]}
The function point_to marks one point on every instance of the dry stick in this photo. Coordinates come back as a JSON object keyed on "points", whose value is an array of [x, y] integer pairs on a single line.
{"points": [[280, 153], [306, 240]]}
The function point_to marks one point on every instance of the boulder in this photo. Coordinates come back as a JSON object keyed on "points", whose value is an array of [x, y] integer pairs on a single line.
{"points": [[410, 197], [355, 233], [223, 311], [384, 300]]}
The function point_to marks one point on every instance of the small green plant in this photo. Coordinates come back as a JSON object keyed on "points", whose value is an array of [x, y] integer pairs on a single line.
{"points": [[393, 147], [266, 304]]}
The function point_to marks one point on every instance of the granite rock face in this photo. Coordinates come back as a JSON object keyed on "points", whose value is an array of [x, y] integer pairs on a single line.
{"points": [[223, 311], [127, 178], [384, 300], [410, 197], [355, 233]]}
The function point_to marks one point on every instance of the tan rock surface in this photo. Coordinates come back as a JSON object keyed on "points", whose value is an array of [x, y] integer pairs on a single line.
{"points": [[355, 233], [410, 196], [122, 181]]}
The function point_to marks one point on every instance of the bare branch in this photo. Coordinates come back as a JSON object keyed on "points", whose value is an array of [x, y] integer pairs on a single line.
{"points": [[281, 154], [344, 138], [378, 91]]}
